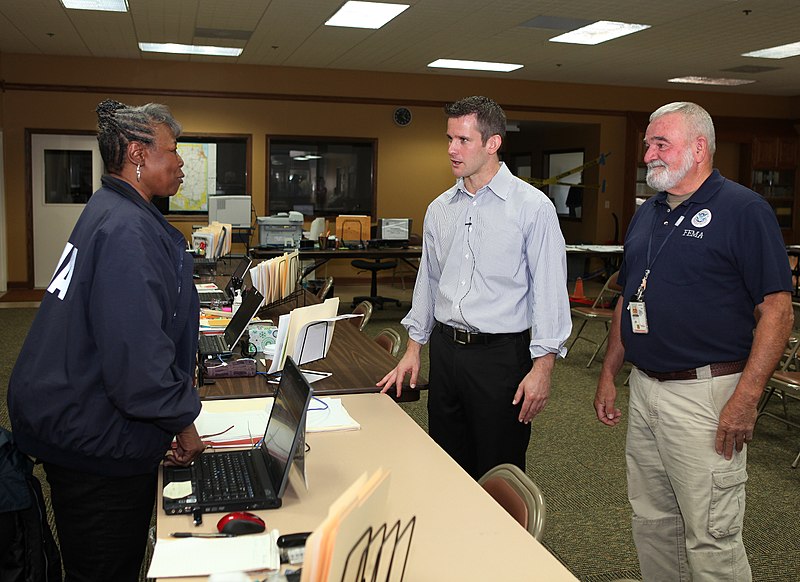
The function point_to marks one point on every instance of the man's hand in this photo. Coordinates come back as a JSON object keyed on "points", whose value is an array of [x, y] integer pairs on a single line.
{"points": [[604, 399], [409, 363], [774, 317], [535, 388], [189, 446], [736, 422], [606, 394]]}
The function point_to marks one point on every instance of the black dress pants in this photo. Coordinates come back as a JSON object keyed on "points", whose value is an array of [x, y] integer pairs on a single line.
{"points": [[470, 410], [102, 523]]}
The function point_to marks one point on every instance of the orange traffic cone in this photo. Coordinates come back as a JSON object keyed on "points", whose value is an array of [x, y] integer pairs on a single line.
{"points": [[577, 297], [578, 293]]}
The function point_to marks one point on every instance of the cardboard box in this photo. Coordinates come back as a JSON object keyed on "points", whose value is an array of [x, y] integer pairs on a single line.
{"points": [[353, 228]]}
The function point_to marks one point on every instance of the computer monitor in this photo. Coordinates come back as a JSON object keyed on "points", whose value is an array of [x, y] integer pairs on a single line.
{"points": [[233, 210], [394, 229]]}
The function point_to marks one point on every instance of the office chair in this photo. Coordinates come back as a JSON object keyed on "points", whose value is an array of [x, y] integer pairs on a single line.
{"points": [[601, 310], [518, 495], [404, 268], [373, 267], [365, 309], [389, 340]]}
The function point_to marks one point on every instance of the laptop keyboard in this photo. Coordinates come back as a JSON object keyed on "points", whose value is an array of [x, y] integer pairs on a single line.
{"points": [[212, 344], [224, 478], [209, 296]]}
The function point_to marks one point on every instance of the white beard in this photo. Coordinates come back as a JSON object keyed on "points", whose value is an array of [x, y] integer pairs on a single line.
{"points": [[666, 179]]}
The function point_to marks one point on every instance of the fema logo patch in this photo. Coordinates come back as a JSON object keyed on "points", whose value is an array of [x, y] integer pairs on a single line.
{"points": [[702, 218]]}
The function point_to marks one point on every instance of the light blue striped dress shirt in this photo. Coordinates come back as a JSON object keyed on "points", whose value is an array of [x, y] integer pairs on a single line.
{"points": [[493, 263]]}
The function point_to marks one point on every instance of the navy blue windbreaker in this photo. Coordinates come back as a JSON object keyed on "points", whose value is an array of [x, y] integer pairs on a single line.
{"points": [[105, 377]]}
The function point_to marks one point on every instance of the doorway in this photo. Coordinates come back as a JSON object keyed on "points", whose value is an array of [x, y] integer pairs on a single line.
{"points": [[66, 170]]}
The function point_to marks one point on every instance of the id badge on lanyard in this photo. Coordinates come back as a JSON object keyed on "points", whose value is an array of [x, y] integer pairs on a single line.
{"points": [[636, 306], [637, 309]]}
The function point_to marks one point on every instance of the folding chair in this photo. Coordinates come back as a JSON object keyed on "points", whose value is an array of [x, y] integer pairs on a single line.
{"points": [[389, 340], [365, 309], [601, 310], [786, 381], [518, 495]]}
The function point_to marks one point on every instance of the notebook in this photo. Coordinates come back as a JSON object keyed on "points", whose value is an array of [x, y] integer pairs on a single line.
{"points": [[214, 345], [225, 296], [255, 478]]}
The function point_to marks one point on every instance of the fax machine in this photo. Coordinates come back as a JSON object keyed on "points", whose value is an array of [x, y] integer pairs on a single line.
{"points": [[283, 230]]}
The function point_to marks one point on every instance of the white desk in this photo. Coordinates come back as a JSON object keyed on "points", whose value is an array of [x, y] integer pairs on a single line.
{"points": [[461, 532]]}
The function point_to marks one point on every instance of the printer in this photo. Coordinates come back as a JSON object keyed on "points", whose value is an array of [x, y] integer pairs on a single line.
{"points": [[282, 230]]}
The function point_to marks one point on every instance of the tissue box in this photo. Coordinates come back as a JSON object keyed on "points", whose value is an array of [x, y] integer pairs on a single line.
{"points": [[263, 337]]}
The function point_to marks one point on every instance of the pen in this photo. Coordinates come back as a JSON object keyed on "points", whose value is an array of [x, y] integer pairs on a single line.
{"points": [[186, 534]]}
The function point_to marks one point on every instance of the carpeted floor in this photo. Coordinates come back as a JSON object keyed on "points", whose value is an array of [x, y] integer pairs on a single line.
{"points": [[579, 465]]}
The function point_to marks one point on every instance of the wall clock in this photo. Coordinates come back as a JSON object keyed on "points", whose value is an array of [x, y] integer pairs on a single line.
{"points": [[402, 116]]}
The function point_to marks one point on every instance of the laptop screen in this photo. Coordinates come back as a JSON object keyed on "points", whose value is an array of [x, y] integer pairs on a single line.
{"points": [[242, 317], [286, 422]]}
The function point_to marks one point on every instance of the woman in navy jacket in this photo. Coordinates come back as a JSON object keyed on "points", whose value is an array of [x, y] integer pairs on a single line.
{"points": [[104, 380]]}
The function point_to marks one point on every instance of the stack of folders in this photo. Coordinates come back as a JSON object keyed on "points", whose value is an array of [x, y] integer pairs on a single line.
{"points": [[276, 278], [356, 541], [306, 333], [212, 241]]}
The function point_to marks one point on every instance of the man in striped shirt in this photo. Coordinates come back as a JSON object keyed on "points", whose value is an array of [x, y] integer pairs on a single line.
{"points": [[490, 297]]}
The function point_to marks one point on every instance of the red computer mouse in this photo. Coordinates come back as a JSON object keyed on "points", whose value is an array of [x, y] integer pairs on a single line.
{"points": [[239, 523]]}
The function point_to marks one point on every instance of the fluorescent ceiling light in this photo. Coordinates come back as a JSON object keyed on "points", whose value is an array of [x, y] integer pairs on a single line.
{"points": [[189, 49], [355, 14], [598, 32], [474, 65], [105, 5], [777, 52], [711, 81]]}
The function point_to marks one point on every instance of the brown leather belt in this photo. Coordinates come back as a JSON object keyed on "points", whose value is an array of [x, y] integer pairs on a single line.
{"points": [[464, 337], [719, 369]]}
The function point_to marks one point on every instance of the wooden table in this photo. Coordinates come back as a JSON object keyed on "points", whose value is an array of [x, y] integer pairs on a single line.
{"points": [[320, 257], [355, 360], [461, 533]]}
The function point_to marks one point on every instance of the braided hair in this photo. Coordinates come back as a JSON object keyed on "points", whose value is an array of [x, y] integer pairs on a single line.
{"points": [[119, 124]]}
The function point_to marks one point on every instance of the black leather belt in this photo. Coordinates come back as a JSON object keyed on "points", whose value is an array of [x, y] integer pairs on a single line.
{"points": [[464, 337], [719, 369]]}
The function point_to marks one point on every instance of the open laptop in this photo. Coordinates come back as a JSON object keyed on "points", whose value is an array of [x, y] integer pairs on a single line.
{"points": [[214, 345], [255, 478], [225, 295]]}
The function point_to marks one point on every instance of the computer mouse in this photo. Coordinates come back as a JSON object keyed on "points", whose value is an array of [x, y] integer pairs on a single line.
{"points": [[240, 523]]}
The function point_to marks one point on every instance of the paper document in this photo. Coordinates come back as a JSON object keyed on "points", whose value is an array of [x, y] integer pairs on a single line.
{"points": [[280, 343], [290, 327], [355, 541], [245, 428], [202, 557], [314, 339]]}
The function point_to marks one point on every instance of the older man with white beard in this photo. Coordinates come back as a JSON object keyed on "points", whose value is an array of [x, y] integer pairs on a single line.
{"points": [[704, 266]]}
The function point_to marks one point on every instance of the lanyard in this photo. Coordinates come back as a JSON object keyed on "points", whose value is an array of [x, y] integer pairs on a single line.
{"points": [[650, 261]]}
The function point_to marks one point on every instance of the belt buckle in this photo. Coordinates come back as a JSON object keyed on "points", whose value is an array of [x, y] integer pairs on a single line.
{"points": [[460, 336]]}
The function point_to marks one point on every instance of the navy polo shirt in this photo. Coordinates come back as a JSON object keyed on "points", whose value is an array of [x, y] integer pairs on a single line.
{"points": [[722, 254]]}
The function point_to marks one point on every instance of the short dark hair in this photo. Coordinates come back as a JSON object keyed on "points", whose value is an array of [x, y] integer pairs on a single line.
{"points": [[491, 117], [119, 124]]}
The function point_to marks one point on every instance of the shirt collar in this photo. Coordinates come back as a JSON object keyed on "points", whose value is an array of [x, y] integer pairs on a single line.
{"points": [[702, 195], [500, 185]]}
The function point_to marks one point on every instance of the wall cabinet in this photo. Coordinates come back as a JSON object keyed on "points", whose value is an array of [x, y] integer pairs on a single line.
{"points": [[774, 175], [775, 152]]}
